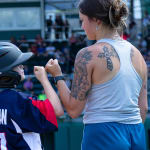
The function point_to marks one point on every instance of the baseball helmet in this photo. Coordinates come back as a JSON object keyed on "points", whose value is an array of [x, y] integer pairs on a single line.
{"points": [[11, 56]]}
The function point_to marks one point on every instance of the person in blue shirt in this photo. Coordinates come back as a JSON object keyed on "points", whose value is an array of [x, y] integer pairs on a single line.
{"points": [[22, 116]]}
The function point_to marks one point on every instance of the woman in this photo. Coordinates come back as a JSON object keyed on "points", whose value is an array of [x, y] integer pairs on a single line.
{"points": [[109, 84], [22, 117]]}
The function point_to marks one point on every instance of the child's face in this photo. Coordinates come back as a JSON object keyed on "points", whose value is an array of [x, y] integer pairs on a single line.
{"points": [[20, 70]]}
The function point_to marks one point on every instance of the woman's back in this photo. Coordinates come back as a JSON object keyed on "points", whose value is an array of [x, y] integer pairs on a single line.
{"points": [[116, 83], [106, 62]]}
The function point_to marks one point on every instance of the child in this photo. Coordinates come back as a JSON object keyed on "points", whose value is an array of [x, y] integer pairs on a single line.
{"points": [[22, 118]]}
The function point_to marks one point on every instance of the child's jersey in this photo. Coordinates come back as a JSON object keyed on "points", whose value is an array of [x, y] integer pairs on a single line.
{"points": [[22, 118]]}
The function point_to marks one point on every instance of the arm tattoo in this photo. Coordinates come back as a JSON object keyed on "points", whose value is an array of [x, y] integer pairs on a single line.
{"points": [[107, 54], [80, 84]]}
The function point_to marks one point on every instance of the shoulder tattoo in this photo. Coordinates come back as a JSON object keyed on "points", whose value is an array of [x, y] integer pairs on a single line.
{"points": [[80, 84], [107, 54]]}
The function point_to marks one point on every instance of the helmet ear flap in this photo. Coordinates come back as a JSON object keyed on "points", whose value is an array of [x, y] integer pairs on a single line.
{"points": [[9, 79]]}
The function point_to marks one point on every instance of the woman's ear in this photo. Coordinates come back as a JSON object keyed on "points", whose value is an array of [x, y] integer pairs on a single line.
{"points": [[98, 22]]}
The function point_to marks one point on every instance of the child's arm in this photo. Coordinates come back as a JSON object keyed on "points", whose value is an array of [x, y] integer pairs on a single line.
{"points": [[41, 75]]}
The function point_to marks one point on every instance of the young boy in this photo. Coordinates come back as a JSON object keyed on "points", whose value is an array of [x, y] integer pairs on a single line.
{"points": [[22, 118]]}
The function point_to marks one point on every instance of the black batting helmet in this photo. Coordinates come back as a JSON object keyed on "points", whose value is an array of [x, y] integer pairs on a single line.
{"points": [[11, 56]]}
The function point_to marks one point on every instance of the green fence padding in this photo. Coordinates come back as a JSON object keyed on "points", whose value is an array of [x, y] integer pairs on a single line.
{"points": [[147, 131], [61, 138], [76, 133]]}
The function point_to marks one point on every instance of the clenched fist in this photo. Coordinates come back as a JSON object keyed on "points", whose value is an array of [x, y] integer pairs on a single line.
{"points": [[53, 68], [40, 73]]}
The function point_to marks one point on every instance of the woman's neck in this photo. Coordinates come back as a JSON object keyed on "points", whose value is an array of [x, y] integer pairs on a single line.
{"points": [[107, 34]]}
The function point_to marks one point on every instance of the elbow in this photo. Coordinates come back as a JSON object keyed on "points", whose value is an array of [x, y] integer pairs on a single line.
{"points": [[144, 113], [60, 113], [145, 109], [73, 115]]}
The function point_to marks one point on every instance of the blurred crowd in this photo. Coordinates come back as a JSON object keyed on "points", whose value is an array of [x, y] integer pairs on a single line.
{"points": [[59, 25]]}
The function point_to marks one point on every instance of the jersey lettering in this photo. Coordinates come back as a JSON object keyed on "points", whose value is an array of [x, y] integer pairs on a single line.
{"points": [[3, 116], [3, 142]]}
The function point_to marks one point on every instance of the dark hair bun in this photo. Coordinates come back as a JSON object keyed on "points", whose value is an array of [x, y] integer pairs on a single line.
{"points": [[118, 13]]}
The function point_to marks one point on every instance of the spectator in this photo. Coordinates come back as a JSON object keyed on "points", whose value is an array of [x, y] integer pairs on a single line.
{"points": [[148, 41], [38, 40], [133, 33], [41, 49], [33, 48], [23, 44], [146, 22], [50, 49], [58, 27], [49, 23], [72, 39], [66, 26]]}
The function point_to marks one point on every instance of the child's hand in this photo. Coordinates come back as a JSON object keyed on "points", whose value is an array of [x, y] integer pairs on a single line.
{"points": [[40, 73]]}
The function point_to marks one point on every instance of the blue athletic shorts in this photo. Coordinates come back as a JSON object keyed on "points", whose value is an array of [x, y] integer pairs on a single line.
{"points": [[114, 136]]}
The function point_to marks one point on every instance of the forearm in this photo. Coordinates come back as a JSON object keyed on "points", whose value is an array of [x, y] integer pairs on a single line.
{"points": [[73, 106], [65, 95], [52, 97]]}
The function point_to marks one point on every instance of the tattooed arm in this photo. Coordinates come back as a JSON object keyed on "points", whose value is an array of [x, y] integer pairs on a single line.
{"points": [[74, 100], [82, 75]]}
